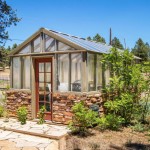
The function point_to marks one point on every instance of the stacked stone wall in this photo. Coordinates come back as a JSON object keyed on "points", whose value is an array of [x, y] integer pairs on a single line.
{"points": [[16, 99], [62, 103]]}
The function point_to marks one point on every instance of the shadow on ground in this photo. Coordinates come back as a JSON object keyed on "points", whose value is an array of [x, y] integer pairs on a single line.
{"points": [[132, 146]]}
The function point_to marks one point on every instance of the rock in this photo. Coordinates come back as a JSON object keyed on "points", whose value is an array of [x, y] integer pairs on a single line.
{"points": [[93, 100]]}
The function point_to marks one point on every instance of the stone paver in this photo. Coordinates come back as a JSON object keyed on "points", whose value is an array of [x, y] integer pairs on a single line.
{"points": [[17, 141], [10, 140], [33, 127]]}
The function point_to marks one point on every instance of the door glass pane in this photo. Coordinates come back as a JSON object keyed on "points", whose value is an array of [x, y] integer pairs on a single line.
{"points": [[41, 104], [41, 67], [47, 77], [41, 77], [41, 87], [47, 106], [48, 87], [47, 67], [48, 97], [41, 96]]}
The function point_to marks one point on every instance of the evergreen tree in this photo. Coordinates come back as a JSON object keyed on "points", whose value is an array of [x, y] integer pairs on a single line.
{"points": [[8, 17], [98, 38], [116, 43], [14, 46], [141, 49], [89, 38]]}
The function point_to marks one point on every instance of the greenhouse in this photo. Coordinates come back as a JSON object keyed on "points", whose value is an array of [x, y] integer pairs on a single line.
{"points": [[52, 62]]}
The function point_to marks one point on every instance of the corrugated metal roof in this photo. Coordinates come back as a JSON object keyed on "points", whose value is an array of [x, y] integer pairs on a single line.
{"points": [[89, 45]]}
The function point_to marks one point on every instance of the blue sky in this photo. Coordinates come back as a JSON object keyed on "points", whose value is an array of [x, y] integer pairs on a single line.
{"points": [[129, 19]]}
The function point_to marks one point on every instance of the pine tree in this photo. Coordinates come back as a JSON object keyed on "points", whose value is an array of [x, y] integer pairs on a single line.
{"points": [[89, 38], [116, 43], [141, 49], [99, 38]]}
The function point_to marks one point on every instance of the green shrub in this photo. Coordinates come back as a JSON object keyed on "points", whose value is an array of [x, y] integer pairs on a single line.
{"points": [[22, 114], [1, 111], [139, 127], [83, 118], [110, 121], [41, 115]]}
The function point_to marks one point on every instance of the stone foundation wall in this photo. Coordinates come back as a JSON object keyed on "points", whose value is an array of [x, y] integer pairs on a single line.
{"points": [[63, 102], [16, 99]]}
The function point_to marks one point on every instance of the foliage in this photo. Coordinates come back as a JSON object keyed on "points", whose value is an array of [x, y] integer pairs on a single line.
{"points": [[110, 121], [41, 115], [8, 17], [89, 38], [4, 58], [83, 118], [1, 111], [22, 114], [99, 38], [141, 49], [123, 96], [116, 43], [139, 127]]}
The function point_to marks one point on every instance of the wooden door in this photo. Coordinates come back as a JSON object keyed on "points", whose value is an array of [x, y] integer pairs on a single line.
{"points": [[43, 77]]}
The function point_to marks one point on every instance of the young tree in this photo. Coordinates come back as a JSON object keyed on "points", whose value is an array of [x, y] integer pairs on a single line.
{"points": [[14, 46], [99, 38], [116, 43], [89, 38], [8, 17], [141, 49]]}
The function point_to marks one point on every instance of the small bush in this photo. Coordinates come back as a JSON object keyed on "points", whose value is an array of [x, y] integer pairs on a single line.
{"points": [[1, 111], [83, 118], [139, 127], [41, 115], [22, 114], [110, 121]]}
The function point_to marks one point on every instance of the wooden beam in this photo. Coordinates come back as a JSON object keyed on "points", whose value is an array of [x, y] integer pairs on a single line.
{"points": [[48, 53]]}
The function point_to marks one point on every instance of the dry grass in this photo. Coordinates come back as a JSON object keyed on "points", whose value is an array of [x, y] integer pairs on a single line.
{"points": [[126, 139]]}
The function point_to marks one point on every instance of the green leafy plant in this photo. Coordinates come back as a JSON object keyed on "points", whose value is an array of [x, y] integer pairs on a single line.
{"points": [[41, 115], [110, 121], [127, 95], [1, 111], [22, 114], [83, 118]]}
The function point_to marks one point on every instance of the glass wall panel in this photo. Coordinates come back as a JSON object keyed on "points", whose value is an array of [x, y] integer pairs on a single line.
{"points": [[99, 72], [91, 72], [76, 60], [49, 44], [16, 73], [64, 47], [63, 72], [107, 76], [25, 50], [36, 44], [26, 72]]}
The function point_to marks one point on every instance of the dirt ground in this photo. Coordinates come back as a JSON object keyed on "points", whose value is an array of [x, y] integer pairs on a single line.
{"points": [[126, 139]]}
